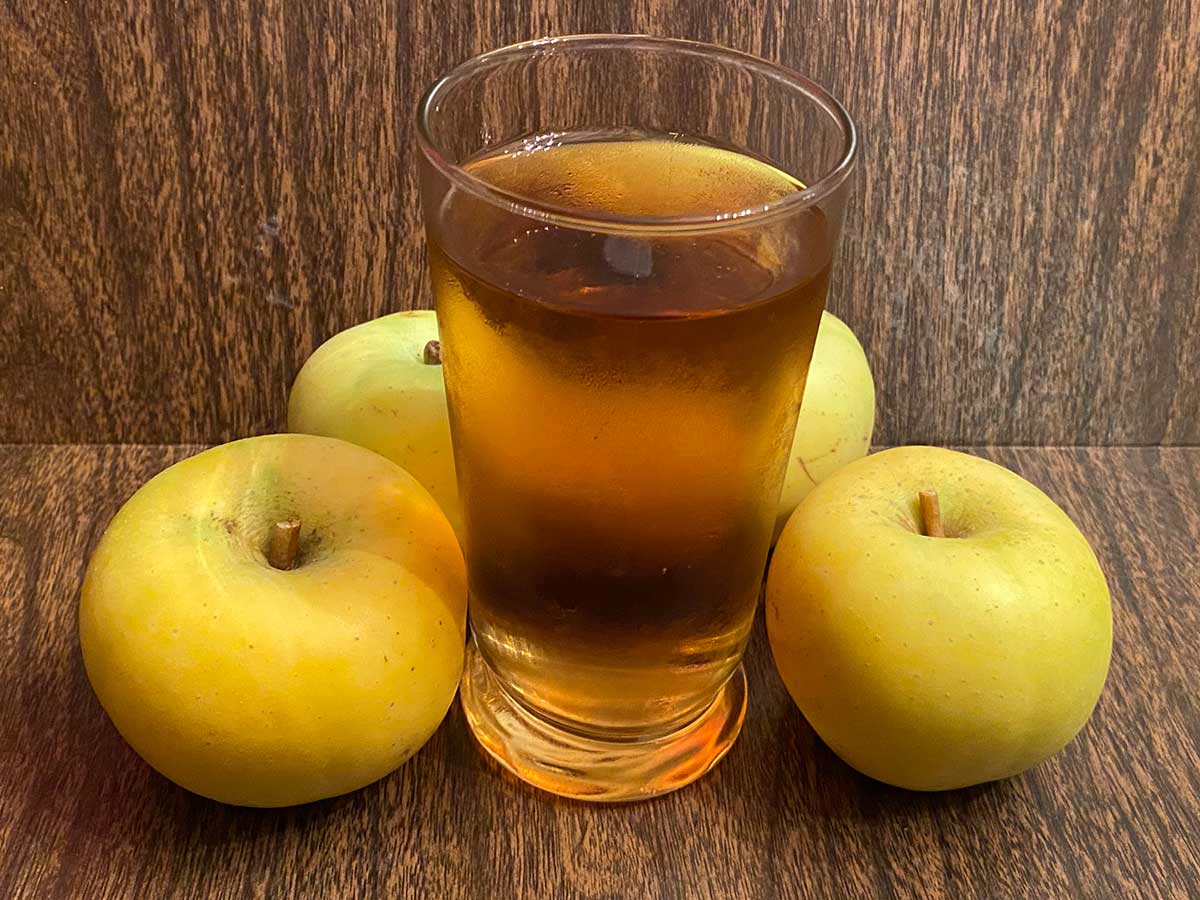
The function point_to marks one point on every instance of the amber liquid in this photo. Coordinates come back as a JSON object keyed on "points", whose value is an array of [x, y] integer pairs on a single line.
{"points": [[622, 405]]}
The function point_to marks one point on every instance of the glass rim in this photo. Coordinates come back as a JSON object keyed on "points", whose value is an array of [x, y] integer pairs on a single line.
{"points": [[574, 217]]}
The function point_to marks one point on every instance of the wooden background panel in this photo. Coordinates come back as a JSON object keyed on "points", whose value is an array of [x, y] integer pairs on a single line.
{"points": [[194, 194]]}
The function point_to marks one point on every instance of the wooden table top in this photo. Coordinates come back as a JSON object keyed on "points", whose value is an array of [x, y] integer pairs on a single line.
{"points": [[1116, 814]]}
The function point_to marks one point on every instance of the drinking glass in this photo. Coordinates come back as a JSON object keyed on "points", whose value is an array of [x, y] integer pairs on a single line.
{"points": [[630, 242]]}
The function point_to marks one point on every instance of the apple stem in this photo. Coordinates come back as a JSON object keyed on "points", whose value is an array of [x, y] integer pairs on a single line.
{"points": [[432, 354], [931, 514], [283, 544]]}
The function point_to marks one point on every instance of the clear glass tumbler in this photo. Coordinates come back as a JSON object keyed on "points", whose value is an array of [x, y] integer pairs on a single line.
{"points": [[630, 242]]}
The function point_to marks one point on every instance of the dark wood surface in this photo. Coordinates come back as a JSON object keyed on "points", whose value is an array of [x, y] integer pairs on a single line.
{"points": [[1117, 814], [194, 194]]}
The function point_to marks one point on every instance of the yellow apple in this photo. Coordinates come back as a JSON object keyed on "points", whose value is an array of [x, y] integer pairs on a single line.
{"points": [[266, 686], [837, 415], [374, 385], [938, 662]]}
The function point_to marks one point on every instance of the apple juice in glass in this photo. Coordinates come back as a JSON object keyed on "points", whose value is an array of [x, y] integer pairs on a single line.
{"points": [[630, 242]]}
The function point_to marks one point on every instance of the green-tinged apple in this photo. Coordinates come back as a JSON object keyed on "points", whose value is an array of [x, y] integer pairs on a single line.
{"points": [[276, 620], [934, 662], [376, 385], [379, 385], [837, 415]]}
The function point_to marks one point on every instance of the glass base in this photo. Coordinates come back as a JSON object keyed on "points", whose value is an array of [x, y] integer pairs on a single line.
{"points": [[586, 768]]}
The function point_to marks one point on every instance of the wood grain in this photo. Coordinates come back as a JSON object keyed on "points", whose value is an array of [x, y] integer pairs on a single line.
{"points": [[193, 195], [1117, 814]]}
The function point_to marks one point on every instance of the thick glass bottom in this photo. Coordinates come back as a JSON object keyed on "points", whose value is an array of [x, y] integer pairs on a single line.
{"points": [[590, 768]]}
